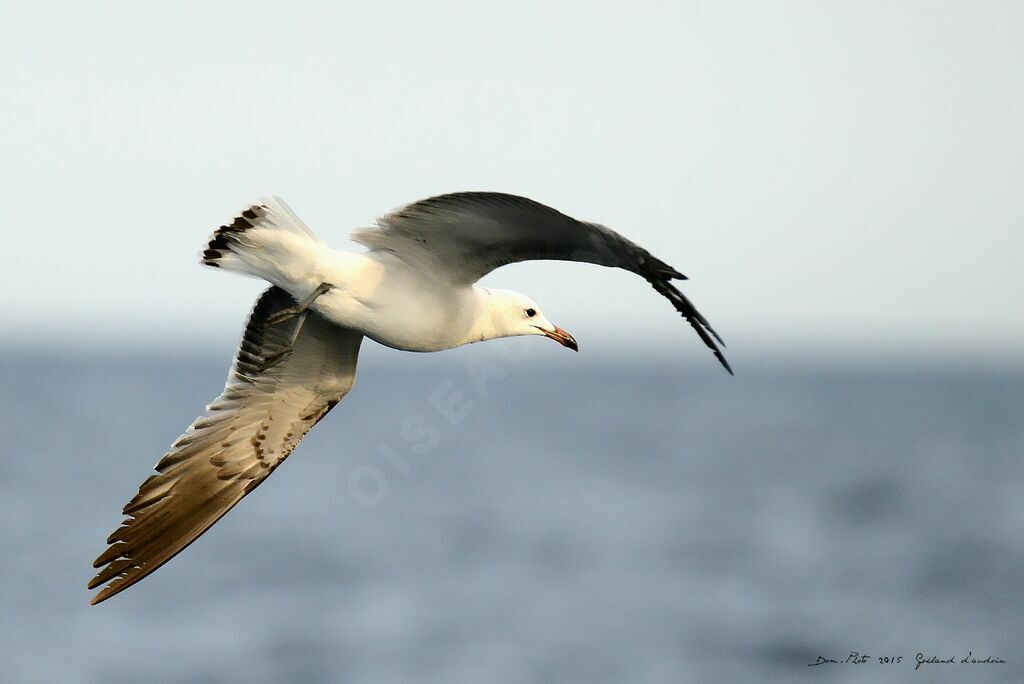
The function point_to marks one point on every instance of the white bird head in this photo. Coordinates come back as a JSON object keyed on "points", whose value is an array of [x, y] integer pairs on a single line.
{"points": [[513, 313]]}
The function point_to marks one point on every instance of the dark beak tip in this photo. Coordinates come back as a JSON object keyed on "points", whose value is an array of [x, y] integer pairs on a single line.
{"points": [[566, 339], [562, 337]]}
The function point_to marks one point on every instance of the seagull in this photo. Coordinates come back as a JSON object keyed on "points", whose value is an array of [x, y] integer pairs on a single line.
{"points": [[412, 289]]}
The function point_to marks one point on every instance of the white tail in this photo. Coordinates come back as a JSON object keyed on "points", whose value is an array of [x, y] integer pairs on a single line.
{"points": [[266, 240]]}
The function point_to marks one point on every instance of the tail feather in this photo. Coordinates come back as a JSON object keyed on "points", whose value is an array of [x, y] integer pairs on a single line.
{"points": [[259, 239]]}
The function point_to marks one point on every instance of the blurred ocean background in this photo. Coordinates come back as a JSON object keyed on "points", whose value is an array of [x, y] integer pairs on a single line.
{"points": [[841, 181], [586, 521]]}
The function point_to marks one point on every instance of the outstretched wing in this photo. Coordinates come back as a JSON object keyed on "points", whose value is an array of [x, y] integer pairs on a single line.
{"points": [[272, 399], [465, 235]]}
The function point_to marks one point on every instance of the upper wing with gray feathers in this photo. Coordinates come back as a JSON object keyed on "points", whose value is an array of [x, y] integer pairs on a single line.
{"points": [[271, 400], [469, 234]]}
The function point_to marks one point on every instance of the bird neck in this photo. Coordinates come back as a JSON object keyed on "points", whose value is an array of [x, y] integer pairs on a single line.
{"points": [[485, 321]]}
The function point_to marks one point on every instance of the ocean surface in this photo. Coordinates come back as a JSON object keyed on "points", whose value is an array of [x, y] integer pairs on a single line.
{"points": [[503, 516]]}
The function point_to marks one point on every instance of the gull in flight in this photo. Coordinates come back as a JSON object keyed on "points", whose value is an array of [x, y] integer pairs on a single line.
{"points": [[413, 289]]}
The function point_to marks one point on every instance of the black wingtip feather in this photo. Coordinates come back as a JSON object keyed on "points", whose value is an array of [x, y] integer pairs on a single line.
{"points": [[700, 324], [692, 311]]}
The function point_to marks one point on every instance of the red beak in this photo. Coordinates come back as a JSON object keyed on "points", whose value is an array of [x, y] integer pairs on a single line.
{"points": [[562, 337]]}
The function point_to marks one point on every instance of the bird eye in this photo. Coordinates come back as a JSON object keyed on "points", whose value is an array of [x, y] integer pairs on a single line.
{"points": [[530, 313]]}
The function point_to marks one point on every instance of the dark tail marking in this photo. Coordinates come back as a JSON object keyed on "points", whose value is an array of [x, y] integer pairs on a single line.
{"points": [[225, 236]]}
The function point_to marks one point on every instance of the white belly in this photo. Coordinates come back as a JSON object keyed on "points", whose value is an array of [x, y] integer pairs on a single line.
{"points": [[394, 305]]}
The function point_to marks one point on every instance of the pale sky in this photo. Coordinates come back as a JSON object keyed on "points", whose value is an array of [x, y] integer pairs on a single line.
{"points": [[839, 176]]}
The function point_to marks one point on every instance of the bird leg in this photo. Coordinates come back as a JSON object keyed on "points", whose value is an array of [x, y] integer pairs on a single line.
{"points": [[301, 310]]}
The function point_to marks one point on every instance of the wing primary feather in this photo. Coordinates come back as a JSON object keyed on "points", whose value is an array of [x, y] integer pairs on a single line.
{"points": [[246, 433], [693, 317]]}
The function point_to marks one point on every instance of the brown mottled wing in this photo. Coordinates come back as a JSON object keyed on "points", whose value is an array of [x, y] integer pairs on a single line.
{"points": [[270, 402], [466, 235]]}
